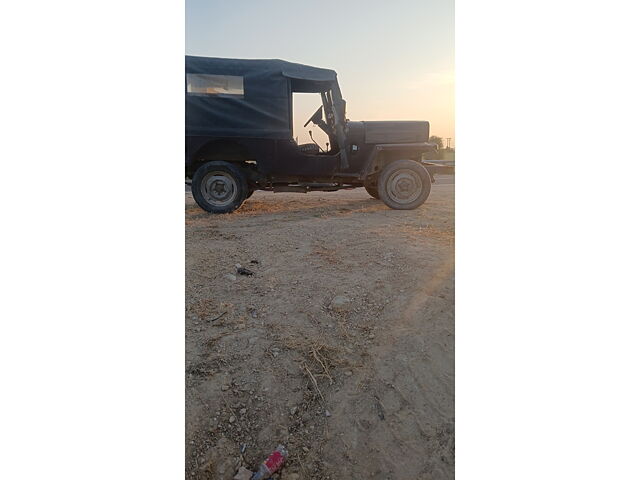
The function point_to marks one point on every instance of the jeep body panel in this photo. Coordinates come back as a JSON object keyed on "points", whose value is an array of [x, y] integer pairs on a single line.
{"points": [[241, 111]]}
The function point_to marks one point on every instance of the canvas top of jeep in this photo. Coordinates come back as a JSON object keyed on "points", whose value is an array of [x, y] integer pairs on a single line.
{"points": [[246, 97], [239, 137]]}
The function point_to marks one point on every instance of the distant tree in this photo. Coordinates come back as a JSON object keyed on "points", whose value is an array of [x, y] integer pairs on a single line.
{"points": [[436, 140]]}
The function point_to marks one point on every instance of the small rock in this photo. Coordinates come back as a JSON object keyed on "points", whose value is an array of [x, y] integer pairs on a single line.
{"points": [[232, 419], [340, 303], [243, 411], [253, 340], [348, 373], [372, 336], [327, 413], [231, 277], [224, 388], [293, 410], [243, 271], [238, 265], [243, 474]]}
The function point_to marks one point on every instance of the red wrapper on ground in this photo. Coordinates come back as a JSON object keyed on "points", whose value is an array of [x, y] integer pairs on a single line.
{"points": [[274, 462]]}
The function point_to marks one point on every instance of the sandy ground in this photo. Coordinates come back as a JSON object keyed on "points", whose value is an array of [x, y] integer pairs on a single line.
{"points": [[341, 345]]}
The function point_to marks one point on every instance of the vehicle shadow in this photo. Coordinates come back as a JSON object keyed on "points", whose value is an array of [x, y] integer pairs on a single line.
{"points": [[285, 209]]}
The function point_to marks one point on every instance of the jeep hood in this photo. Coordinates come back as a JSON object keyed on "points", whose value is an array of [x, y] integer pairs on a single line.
{"points": [[396, 132]]}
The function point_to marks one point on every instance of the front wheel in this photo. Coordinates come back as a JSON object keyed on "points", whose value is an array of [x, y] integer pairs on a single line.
{"points": [[404, 185], [219, 187]]}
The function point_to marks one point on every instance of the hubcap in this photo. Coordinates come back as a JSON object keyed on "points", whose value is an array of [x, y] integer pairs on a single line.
{"points": [[219, 188], [404, 186]]}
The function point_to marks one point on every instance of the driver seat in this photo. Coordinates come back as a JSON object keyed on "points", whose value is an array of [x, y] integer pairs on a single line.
{"points": [[309, 148]]}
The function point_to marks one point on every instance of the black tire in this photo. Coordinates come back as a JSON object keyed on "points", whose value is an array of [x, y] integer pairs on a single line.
{"points": [[219, 187], [372, 189], [404, 185], [250, 192]]}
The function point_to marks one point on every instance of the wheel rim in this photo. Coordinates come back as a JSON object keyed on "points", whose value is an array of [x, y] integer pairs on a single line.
{"points": [[404, 186], [219, 188]]}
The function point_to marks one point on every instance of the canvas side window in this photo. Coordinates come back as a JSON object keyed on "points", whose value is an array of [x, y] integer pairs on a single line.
{"points": [[224, 85]]}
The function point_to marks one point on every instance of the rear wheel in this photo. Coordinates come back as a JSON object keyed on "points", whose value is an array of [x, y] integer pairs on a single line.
{"points": [[404, 185], [219, 187]]}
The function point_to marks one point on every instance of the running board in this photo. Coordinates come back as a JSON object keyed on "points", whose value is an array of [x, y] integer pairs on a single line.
{"points": [[311, 187]]}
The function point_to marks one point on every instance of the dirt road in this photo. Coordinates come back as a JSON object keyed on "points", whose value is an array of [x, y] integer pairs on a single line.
{"points": [[340, 345]]}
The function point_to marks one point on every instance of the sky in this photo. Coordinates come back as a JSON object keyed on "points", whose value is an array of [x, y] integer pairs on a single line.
{"points": [[394, 59]]}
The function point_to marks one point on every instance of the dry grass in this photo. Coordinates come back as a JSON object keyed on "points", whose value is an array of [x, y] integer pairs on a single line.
{"points": [[317, 362], [329, 255]]}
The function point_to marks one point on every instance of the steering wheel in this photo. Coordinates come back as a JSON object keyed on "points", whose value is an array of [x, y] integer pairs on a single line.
{"points": [[316, 117]]}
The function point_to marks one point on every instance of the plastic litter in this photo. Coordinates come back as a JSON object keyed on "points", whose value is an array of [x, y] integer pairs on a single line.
{"points": [[272, 464]]}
